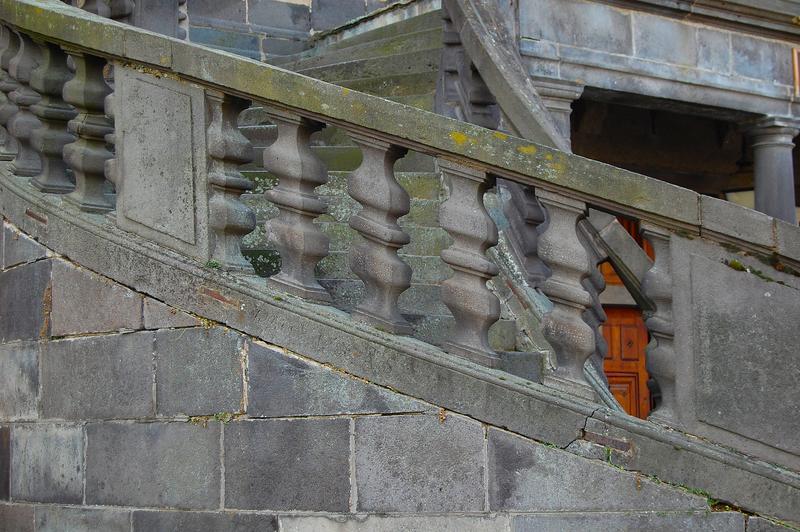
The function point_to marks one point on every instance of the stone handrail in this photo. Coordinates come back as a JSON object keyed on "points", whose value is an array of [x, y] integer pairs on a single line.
{"points": [[177, 148]]}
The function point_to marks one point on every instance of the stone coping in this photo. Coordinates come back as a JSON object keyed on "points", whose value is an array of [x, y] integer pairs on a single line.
{"points": [[598, 184], [331, 337]]}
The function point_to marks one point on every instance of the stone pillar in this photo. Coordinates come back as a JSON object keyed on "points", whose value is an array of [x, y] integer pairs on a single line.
{"points": [[773, 168], [558, 95]]}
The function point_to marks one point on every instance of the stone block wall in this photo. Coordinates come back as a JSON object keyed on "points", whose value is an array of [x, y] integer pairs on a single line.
{"points": [[119, 413], [260, 28]]}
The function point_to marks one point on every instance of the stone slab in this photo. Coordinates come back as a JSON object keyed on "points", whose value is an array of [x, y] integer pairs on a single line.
{"points": [[761, 524], [203, 521], [19, 381], [301, 464], [396, 523], [157, 315], [745, 356], [25, 302], [104, 305], [284, 385], [328, 14], [98, 377], [16, 518], [740, 222], [620, 522], [199, 371], [175, 465], [761, 59], [18, 248], [235, 11], [419, 463], [161, 149], [525, 476], [664, 40], [47, 463], [70, 519]]}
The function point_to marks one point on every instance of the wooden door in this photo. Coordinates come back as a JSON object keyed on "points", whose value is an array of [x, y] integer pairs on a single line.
{"points": [[624, 365]]}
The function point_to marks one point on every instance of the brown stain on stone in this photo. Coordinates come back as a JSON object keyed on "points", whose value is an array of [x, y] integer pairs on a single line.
{"points": [[47, 308], [41, 218], [216, 295]]}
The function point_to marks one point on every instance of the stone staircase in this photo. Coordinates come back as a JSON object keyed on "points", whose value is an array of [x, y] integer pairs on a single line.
{"points": [[398, 62]]}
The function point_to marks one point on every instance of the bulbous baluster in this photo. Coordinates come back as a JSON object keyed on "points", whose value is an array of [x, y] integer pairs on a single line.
{"points": [[595, 283], [110, 166], [375, 259], [525, 215], [27, 162], [229, 218], [474, 307], [86, 156], [8, 149], [660, 352], [299, 241], [49, 140], [564, 327]]}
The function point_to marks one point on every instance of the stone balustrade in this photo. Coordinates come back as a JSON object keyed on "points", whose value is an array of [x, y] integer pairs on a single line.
{"points": [[176, 156]]}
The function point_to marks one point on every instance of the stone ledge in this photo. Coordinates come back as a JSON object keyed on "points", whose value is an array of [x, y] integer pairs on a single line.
{"points": [[411, 367]]}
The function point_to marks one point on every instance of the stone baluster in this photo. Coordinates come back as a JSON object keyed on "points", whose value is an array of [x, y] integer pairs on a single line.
{"points": [[594, 284], [474, 307], [110, 166], [183, 20], [86, 156], [4, 43], [49, 140], [229, 218], [299, 241], [8, 149], [525, 215], [27, 162], [375, 259], [561, 249], [660, 352]]}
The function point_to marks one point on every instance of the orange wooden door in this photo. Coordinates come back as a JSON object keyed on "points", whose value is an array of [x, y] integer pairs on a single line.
{"points": [[624, 365]]}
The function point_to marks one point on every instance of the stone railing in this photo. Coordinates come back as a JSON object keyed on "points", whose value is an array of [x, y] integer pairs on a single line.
{"points": [[176, 147]]}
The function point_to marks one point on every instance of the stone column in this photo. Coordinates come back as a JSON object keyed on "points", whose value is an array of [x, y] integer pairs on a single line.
{"points": [[773, 168], [558, 95]]}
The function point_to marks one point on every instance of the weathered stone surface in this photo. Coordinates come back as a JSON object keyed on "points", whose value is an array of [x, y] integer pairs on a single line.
{"points": [[327, 14], [61, 519], [5, 462], [526, 476], [19, 381], [18, 248], [726, 217], [379, 523], [665, 40], [47, 464], [288, 465], [578, 23], [745, 359], [160, 139], [157, 315], [246, 44], [284, 385], [212, 9], [278, 14], [760, 524], [153, 464], [207, 521], [199, 371], [98, 377], [25, 302], [16, 518], [761, 59], [613, 522], [104, 305], [419, 464]]}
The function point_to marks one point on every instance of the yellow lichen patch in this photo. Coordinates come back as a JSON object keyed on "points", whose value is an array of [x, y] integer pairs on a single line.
{"points": [[527, 150], [548, 156], [345, 91], [501, 136], [459, 138]]}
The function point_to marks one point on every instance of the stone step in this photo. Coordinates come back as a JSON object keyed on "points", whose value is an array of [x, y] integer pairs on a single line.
{"points": [[396, 44], [426, 21], [393, 85], [394, 65]]}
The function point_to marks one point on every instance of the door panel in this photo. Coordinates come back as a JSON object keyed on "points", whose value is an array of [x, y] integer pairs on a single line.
{"points": [[624, 365]]}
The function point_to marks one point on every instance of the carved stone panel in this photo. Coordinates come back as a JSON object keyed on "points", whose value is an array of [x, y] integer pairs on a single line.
{"points": [[161, 160], [746, 360]]}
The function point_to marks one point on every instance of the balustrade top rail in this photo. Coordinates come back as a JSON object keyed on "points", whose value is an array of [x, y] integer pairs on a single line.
{"points": [[512, 158]]}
